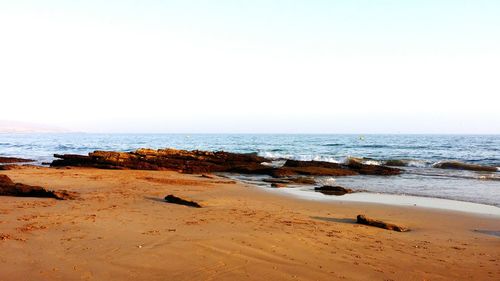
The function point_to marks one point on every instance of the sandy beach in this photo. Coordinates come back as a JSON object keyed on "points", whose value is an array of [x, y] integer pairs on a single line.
{"points": [[121, 229]]}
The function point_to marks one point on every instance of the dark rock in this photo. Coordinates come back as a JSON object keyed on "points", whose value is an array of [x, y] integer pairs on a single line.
{"points": [[333, 190], [9, 188], [311, 168], [322, 164], [9, 160], [5, 180], [464, 166], [278, 185], [313, 171], [361, 219], [177, 200], [352, 167], [317, 168]]}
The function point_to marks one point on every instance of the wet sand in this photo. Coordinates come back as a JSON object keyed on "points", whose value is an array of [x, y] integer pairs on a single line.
{"points": [[122, 230]]}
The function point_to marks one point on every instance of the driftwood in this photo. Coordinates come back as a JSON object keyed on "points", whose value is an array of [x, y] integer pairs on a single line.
{"points": [[177, 200], [361, 219]]}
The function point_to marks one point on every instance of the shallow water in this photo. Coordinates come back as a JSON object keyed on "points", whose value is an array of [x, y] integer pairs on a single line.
{"points": [[419, 151]]}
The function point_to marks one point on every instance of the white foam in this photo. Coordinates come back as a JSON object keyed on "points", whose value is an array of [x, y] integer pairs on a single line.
{"points": [[416, 164], [277, 155], [274, 164], [326, 181]]}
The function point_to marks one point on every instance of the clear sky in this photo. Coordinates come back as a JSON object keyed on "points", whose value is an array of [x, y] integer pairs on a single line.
{"points": [[252, 66]]}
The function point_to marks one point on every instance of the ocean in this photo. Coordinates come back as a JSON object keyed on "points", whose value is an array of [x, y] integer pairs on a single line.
{"points": [[419, 153]]}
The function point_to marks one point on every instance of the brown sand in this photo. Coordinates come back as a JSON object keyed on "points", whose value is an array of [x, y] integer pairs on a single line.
{"points": [[121, 230]]}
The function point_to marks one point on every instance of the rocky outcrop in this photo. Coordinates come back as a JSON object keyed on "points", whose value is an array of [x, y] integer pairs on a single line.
{"points": [[10, 160], [352, 167], [317, 168], [165, 159], [361, 219], [9, 188], [209, 162], [333, 190], [464, 166], [177, 200]]}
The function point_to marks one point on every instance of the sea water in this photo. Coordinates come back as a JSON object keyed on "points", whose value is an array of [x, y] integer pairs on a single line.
{"points": [[419, 152]]}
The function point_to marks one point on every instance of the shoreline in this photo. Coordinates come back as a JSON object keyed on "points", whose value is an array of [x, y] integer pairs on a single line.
{"points": [[121, 229], [437, 182], [305, 192], [361, 196], [398, 200]]}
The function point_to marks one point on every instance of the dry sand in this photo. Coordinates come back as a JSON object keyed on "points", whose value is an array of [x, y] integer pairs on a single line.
{"points": [[122, 230]]}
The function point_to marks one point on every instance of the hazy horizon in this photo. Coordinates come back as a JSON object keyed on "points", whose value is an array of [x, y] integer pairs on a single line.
{"points": [[422, 67]]}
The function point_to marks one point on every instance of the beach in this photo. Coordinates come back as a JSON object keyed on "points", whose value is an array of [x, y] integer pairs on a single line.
{"points": [[120, 228]]}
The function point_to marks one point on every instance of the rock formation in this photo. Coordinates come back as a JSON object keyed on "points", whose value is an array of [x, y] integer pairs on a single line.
{"points": [[209, 162], [9, 188]]}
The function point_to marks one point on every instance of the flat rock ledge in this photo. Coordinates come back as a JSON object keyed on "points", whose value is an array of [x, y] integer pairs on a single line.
{"points": [[361, 219], [9, 188], [203, 162]]}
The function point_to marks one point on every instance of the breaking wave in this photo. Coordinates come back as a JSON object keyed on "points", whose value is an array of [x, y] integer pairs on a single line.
{"points": [[284, 156], [457, 165]]}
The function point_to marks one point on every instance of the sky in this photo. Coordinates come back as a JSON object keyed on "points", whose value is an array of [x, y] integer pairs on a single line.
{"points": [[252, 66]]}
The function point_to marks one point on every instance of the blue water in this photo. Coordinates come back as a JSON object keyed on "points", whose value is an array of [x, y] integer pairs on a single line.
{"points": [[419, 179]]}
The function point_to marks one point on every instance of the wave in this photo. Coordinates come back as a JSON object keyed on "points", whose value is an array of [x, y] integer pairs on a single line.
{"points": [[65, 147], [333, 144], [457, 165], [470, 176], [406, 163], [283, 156], [374, 146], [415, 163], [275, 164], [326, 181], [489, 177]]}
